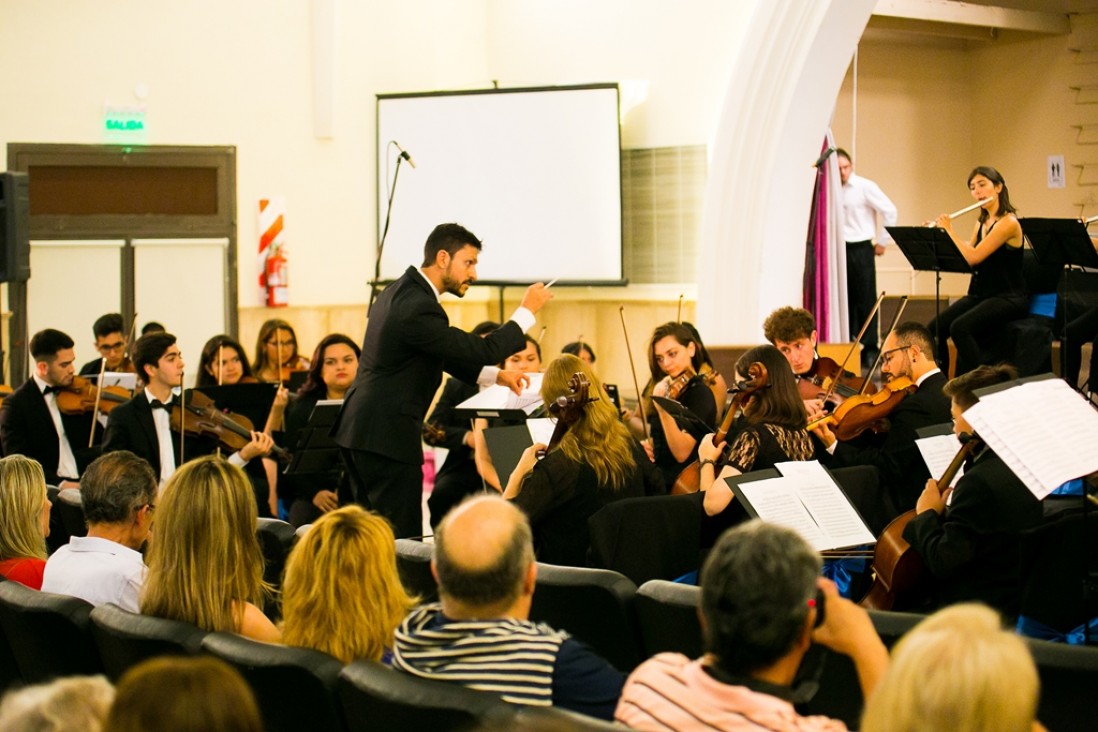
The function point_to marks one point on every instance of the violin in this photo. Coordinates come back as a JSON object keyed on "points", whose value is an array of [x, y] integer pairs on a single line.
{"points": [[201, 417], [80, 397], [689, 480], [568, 408], [863, 412], [677, 385], [825, 372], [898, 571], [434, 434]]}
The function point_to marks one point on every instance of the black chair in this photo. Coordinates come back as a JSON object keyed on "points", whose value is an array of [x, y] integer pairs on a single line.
{"points": [[9, 669], [414, 568], [380, 699], [49, 634], [649, 538], [58, 537], [125, 639], [1057, 559], [667, 613], [294, 687], [1068, 677], [70, 505], [555, 718], [300, 531], [595, 606], [276, 538]]}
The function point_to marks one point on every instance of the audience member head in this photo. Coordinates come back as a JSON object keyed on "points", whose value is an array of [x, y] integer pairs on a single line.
{"points": [[181, 694], [962, 391], [72, 704], [24, 509], [53, 356], [758, 585], [957, 670], [599, 438], [999, 185], [484, 560], [110, 339], [779, 401], [485, 328], [341, 593], [275, 348], [223, 362], [158, 360], [582, 349], [119, 494], [672, 350], [333, 369], [526, 361], [206, 560], [793, 332], [908, 352]]}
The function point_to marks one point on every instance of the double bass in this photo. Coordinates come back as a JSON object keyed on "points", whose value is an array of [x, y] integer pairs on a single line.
{"points": [[898, 571]]}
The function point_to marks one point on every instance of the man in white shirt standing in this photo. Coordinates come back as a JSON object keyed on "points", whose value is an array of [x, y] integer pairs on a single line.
{"points": [[863, 203], [119, 495]]}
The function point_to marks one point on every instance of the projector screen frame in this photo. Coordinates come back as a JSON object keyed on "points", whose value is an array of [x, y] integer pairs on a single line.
{"points": [[504, 283]]}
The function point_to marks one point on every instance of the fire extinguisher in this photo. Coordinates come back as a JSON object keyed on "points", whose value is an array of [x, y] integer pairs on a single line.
{"points": [[278, 291]]}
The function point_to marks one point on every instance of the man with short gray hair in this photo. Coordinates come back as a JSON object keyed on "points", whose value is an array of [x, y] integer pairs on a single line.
{"points": [[480, 634], [119, 493], [761, 607]]}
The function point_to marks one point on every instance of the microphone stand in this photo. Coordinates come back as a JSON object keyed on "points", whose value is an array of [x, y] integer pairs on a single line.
{"points": [[384, 233]]}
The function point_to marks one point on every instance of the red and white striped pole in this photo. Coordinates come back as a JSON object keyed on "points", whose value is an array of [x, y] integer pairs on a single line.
{"points": [[273, 284]]}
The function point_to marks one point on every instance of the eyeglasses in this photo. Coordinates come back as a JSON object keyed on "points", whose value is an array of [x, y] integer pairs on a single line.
{"points": [[886, 357], [108, 347], [284, 344]]}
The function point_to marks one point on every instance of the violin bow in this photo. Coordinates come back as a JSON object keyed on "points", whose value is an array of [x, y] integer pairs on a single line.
{"points": [[182, 417], [854, 346], [880, 354], [278, 359], [129, 338], [220, 369], [678, 319], [98, 391], [633, 368], [542, 333]]}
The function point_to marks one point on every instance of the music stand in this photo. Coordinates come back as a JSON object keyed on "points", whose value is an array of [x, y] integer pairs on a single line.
{"points": [[930, 249], [316, 453], [1063, 242]]}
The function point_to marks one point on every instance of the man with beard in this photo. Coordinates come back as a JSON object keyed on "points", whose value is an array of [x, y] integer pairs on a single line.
{"points": [[408, 344]]}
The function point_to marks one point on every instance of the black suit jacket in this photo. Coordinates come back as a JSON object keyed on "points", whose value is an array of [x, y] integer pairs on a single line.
{"points": [[408, 344], [896, 457], [26, 428], [972, 550], [130, 426]]}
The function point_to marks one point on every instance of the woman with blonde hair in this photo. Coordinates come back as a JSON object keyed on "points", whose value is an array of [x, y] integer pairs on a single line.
{"points": [[597, 461], [24, 520], [957, 670], [341, 593], [205, 566]]}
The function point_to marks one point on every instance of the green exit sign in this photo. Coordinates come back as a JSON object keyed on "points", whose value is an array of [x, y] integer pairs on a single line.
{"points": [[124, 123]]}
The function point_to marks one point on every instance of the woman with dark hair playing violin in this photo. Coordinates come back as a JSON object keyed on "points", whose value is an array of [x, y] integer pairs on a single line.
{"points": [[772, 430], [596, 462], [675, 360]]}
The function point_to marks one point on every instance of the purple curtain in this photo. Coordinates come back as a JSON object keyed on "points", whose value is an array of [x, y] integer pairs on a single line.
{"points": [[817, 276]]}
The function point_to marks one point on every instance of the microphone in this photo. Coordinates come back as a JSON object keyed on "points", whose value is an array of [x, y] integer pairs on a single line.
{"points": [[404, 154], [819, 161]]}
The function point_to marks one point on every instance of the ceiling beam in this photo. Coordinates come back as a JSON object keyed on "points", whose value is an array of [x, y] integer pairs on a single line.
{"points": [[987, 16]]}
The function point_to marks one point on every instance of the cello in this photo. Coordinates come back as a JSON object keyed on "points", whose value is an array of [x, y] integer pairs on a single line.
{"points": [[689, 480], [898, 571]]}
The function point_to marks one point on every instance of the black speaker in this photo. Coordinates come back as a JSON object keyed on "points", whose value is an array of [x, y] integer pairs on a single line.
{"points": [[14, 228]]}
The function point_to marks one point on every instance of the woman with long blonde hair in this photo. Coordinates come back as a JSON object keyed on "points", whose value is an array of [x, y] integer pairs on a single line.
{"points": [[24, 520], [205, 564], [598, 461], [341, 593]]}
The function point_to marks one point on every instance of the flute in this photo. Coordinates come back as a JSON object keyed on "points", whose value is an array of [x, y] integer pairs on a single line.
{"points": [[964, 210]]}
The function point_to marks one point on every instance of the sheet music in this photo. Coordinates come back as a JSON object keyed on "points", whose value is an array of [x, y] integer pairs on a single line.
{"points": [[1043, 430], [501, 397], [777, 503], [127, 380], [541, 430], [938, 452]]}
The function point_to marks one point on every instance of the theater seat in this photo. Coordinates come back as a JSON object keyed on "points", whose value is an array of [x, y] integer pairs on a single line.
{"points": [[49, 634], [414, 567], [1069, 675], [295, 687], [125, 639], [276, 538], [9, 669], [656, 537], [379, 699], [70, 505], [595, 606], [667, 613]]}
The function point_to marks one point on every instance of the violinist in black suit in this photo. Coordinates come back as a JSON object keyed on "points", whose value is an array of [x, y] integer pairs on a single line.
{"points": [[908, 352], [32, 425], [408, 344], [141, 425]]}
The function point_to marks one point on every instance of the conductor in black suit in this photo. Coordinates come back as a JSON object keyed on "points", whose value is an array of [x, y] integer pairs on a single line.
{"points": [[907, 352], [32, 425], [408, 344]]}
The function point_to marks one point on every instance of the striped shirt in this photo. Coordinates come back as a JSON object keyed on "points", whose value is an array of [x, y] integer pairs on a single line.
{"points": [[671, 692]]}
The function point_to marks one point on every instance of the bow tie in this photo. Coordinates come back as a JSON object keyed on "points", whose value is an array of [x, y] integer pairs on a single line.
{"points": [[52, 390], [157, 404]]}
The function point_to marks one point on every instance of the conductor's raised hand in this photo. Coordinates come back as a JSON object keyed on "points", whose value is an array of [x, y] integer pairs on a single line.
{"points": [[516, 381], [536, 296]]}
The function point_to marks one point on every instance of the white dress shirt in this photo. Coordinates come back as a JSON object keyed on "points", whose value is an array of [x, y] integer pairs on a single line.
{"points": [[96, 570], [66, 460], [164, 438], [863, 202]]}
